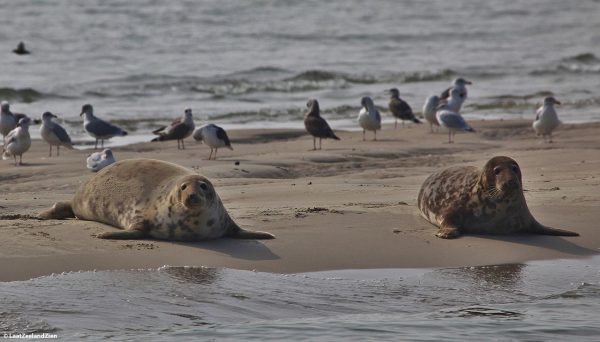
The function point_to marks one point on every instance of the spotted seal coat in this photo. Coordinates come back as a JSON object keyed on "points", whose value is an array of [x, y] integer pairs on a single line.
{"points": [[466, 199], [152, 199]]}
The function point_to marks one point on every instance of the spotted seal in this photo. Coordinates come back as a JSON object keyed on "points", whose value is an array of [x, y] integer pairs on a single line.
{"points": [[466, 199], [152, 199]]}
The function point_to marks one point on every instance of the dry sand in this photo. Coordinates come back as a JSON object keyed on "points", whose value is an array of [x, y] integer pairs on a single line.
{"points": [[351, 205]]}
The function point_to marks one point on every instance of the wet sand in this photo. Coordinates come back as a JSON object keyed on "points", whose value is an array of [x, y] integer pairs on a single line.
{"points": [[351, 205]]}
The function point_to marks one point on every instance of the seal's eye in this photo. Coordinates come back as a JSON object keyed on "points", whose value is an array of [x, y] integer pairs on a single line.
{"points": [[515, 169], [497, 171], [203, 186], [183, 187]]}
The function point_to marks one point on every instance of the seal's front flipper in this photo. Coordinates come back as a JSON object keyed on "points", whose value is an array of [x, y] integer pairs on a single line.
{"points": [[59, 211], [235, 232], [448, 233], [247, 234], [537, 228], [135, 231]]}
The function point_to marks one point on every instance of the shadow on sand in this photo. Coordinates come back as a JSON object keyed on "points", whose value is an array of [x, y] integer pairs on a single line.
{"points": [[555, 243], [240, 249]]}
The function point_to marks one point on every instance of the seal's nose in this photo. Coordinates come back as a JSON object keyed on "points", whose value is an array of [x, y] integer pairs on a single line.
{"points": [[193, 200], [512, 183]]}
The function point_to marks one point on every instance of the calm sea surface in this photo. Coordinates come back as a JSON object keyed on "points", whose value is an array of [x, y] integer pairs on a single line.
{"points": [[255, 63], [539, 301]]}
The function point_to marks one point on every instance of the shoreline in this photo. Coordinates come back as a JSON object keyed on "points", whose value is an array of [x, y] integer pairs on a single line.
{"points": [[348, 206], [83, 141]]}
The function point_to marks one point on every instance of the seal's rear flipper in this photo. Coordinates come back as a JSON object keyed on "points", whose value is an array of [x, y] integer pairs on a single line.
{"points": [[448, 233], [59, 211], [538, 228], [247, 234]]}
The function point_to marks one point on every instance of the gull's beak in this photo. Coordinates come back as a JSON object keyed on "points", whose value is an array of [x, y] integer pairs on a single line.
{"points": [[557, 102], [80, 114], [468, 82], [54, 116]]}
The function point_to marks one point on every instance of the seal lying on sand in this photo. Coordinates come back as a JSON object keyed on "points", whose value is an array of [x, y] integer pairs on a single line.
{"points": [[465, 199], [152, 198]]}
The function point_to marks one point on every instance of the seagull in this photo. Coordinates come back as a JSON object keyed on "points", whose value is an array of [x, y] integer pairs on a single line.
{"points": [[8, 119], [54, 134], [400, 109], [459, 84], [99, 160], [368, 117], [316, 125], [21, 50], [546, 119], [179, 129], [98, 128], [429, 110], [18, 141], [450, 119], [213, 136]]}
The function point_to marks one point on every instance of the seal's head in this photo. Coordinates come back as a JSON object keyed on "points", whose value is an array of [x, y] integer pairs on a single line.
{"points": [[501, 177], [193, 192]]}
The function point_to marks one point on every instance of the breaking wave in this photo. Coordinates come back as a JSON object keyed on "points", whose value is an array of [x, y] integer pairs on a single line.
{"points": [[577, 64], [20, 95]]}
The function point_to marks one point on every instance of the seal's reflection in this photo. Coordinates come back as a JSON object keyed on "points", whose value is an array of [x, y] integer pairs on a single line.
{"points": [[196, 275]]}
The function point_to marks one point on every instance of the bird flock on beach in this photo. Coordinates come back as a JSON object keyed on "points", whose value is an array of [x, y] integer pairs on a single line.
{"points": [[439, 111]]}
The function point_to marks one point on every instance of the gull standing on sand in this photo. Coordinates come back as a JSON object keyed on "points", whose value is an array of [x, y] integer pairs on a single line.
{"points": [[400, 109], [98, 128], [459, 84], [316, 125], [433, 102], [54, 134], [18, 141], [429, 109], [8, 119], [368, 117], [546, 119], [450, 119], [179, 129], [213, 136], [99, 160]]}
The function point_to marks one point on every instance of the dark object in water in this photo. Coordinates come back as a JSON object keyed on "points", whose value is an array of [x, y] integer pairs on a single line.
{"points": [[21, 50]]}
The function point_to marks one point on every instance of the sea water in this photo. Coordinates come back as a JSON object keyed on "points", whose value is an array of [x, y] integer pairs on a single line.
{"points": [[537, 301]]}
